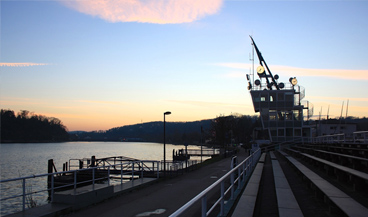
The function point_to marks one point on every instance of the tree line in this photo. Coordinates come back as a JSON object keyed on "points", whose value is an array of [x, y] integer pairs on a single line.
{"points": [[26, 126], [221, 131]]}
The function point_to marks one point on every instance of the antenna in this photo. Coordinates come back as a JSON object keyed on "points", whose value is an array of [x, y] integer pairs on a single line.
{"points": [[252, 59], [342, 109], [347, 106]]}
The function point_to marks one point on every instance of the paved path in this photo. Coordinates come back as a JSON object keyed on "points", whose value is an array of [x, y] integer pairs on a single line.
{"points": [[164, 197]]}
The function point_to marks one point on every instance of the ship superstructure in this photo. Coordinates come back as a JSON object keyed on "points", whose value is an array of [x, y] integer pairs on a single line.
{"points": [[283, 112]]}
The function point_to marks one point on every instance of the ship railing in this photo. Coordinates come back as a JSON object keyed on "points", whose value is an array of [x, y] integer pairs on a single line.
{"points": [[23, 194], [236, 177]]}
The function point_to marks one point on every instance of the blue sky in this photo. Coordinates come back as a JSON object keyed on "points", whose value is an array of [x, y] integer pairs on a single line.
{"points": [[102, 64]]}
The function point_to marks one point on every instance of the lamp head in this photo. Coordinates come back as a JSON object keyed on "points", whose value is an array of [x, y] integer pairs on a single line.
{"points": [[167, 113]]}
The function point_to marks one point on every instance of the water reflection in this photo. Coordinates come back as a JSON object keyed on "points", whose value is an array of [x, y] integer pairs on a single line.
{"points": [[19, 160]]}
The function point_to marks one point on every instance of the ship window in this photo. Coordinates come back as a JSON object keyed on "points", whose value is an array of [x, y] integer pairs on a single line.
{"points": [[256, 99], [272, 116], [280, 96], [263, 99], [289, 116], [297, 132], [289, 97], [289, 131], [272, 97], [297, 115], [281, 132]]}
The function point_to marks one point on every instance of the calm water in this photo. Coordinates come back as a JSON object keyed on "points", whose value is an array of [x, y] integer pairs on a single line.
{"points": [[18, 160]]}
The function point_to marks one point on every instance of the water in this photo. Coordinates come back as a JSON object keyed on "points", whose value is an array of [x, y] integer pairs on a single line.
{"points": [[19, 160]]}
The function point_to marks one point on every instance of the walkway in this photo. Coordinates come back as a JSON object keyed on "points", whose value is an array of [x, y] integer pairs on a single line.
{"points": [[163, 197]]}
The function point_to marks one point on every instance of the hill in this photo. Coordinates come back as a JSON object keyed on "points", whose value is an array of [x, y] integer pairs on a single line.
{"points": [[176, 132]]}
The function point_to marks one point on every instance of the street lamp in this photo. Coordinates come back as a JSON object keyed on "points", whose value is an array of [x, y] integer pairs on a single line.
{"points": [[166, 113]]}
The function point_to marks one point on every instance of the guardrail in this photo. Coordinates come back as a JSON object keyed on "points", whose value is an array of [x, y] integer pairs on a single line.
{"points": [[11, 190], [237, 176], [204, 152], [360, 136]]}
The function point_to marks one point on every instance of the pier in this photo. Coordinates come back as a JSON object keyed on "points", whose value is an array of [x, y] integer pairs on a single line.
{"points": [[287, 180]]}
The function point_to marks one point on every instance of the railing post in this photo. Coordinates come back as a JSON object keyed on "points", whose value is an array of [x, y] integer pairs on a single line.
{"points": [[158, 169], [204, 206], [108, 175], [239, 177], [52, 188], [93, 178], [133, 171], [75, 182], [121, 173], [222, 198], [142, 170], [24, 194], [232, 185]]}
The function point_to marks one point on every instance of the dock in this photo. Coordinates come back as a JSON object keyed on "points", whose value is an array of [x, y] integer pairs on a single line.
{"points": [[285, 182]]}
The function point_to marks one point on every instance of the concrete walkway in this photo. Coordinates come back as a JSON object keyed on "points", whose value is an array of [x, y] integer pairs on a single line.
{"points": [[161, 198]]}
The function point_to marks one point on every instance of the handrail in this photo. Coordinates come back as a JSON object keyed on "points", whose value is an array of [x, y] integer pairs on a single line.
{"points": [[52, 188], [242, 169]]}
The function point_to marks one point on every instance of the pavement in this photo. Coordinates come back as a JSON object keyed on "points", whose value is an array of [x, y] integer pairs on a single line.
{"points": [[163, 197]]}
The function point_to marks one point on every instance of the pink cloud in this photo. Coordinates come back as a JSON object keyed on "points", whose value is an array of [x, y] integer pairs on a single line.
{"points": [[350, 74], [147, 11], [22, 64]]}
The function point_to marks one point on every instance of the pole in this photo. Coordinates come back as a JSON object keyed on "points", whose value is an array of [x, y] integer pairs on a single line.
{"points": [[164, 147], [166, 113], [201, 143]]}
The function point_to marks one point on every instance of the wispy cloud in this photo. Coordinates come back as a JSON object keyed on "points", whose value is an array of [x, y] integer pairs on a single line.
{"points": [[207, 104], [100, 102], [295, 71], [151, 11], [22, 64], [329, 98]]}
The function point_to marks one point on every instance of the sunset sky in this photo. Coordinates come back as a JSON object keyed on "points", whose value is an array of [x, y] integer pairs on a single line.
{"points": [[99, 64]]}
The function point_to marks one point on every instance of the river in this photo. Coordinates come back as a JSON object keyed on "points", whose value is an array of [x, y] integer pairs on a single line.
{"points": [[26, 159]]}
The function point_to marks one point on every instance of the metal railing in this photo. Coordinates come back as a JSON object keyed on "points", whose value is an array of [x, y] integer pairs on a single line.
{"points": [[204, 152], [357, 137], [23, 192], [360, 137], [237, 176]]}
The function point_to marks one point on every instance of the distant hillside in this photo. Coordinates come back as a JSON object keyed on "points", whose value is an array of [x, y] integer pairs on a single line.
{"points": [[176, 132], [222, 130]]}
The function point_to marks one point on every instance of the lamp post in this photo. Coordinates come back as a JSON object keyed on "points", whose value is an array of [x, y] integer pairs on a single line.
{"points": [[166, 113]]}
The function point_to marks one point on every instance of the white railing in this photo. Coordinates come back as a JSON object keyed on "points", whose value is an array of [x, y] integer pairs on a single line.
{"points": [[238, 177], [11, 190], [360, 137], [335, 138], [204, 151]]}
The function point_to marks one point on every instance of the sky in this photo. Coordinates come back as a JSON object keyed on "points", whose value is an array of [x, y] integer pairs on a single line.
{"points": [[99, 64]]}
